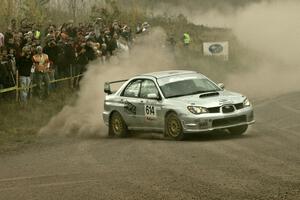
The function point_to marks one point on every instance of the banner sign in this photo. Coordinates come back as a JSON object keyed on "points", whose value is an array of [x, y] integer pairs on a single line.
{"points": [[216, 49]]}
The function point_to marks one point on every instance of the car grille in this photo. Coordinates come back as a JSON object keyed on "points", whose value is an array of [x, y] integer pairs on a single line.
{"points": [[227, 109], [239, 106], [214, 110], [229, 121]]}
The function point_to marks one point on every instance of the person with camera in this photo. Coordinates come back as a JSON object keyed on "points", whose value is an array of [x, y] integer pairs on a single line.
{"points": [[24, 66], [41, 65]]}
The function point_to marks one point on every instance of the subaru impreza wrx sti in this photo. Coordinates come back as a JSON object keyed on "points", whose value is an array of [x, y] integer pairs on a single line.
{"points": [[175, 103]]}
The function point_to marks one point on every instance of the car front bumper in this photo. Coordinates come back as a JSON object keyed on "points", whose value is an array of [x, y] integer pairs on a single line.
{"points": [[105, 116], [214, 121]]}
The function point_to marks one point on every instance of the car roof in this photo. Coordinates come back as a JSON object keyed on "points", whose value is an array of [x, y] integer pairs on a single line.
{"points": [[162, 74]]}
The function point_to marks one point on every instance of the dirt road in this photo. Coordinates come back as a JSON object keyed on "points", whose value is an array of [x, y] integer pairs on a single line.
{"points": [[263, 164]]}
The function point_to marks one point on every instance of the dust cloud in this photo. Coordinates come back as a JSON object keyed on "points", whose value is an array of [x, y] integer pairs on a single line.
{"points": [[85, 117], [197, 15], [272, 30], [269, 29]]}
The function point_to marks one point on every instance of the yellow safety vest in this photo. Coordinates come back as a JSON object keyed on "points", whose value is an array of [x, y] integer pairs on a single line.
{"points": [[37, 35], [186, 38]]}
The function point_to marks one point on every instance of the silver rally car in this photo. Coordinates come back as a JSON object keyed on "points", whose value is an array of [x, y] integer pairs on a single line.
{"points": [[174, 103]]}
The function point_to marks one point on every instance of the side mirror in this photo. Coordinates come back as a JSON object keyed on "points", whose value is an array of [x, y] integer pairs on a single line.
{"points": [[107, 89], [221, 85], [153, 96]]}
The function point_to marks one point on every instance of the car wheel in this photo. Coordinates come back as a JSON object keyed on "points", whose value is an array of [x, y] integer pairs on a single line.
{"points": [[117, 126], [238, 130], [173, 127]]}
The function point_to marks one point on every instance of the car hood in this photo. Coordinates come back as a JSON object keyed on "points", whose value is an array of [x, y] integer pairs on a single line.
{"points": [[209, 100]]}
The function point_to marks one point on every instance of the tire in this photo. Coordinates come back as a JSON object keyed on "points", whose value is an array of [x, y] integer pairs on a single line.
{"points": [[173, 127], [117, 126], [238, 130]]}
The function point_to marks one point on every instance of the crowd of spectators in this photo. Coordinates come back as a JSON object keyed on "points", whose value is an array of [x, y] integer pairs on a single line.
{"points": [[68, 49]]}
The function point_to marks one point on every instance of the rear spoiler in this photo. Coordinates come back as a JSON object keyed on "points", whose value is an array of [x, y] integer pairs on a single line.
{"points": [[107, 88]]}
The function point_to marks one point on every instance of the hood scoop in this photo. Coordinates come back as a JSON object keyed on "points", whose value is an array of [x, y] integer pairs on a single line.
{"points": [[209, 94]]}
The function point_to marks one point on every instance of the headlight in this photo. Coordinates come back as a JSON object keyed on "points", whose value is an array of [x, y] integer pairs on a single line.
{"points": [[197, 110], [247, 103]]}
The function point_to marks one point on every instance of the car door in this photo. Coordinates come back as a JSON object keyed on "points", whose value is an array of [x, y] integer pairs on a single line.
{"points": [[152, 118], [132, 110]]}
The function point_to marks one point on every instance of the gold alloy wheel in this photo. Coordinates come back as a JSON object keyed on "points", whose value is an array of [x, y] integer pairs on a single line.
{"points": [[117, 125], [173, 126]]}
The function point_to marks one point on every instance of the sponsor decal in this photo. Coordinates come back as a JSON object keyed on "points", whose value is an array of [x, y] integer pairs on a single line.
{"points": [[215, 48], [129, 108]]}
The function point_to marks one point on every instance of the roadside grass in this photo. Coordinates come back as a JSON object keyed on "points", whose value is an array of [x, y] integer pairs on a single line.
{"points": [[19, 124]]}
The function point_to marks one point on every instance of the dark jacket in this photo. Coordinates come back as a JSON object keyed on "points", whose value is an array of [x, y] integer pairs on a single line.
{"points": [[112, 46], [24, 65], [90, 53], [52, 53], [69, 54]]}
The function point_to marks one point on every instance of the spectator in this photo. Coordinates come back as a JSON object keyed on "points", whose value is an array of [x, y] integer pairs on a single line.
{"points": [[52, 51], [70, 58], [8, 36], [60, 58], [12, 61], [98, 27], [89, 48], [51, 32], [139, 29], [1, 40], [145, 26], [3, 72], [104, 53], [36, 32], [126, 34], [41, 64], [13, 25], [25, 26], [92, 41], [115, 28], [64, 34], [112, 44], [24, 65], [7, 62], [186, 39], [70, 29], [102, 39], [81, 62], [47, 27], [172, 42]]}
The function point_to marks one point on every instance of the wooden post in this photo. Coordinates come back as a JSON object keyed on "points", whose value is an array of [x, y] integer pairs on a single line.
{"points": [[17, 86]]}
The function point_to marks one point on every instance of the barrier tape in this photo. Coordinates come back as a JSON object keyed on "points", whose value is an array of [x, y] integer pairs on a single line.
{"points": [[32, 86], [8, 89]]}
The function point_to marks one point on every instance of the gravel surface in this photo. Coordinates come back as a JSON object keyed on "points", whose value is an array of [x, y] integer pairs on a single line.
{"points": [[263, 164]]}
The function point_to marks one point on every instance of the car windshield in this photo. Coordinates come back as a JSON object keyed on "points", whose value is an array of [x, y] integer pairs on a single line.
{"points": [[187, 84]]}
